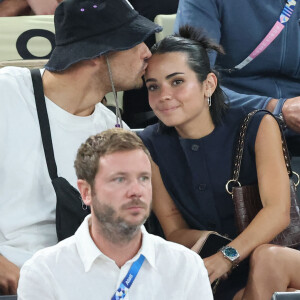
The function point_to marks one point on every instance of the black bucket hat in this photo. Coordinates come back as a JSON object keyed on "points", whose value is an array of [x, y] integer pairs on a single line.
{"points": [[85, 29]]}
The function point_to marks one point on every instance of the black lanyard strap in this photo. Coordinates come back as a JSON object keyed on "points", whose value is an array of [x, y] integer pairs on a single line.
{"points": [[44, 122]]}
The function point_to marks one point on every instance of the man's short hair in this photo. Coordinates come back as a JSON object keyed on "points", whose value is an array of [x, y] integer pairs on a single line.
{"points": [[107, 142]]}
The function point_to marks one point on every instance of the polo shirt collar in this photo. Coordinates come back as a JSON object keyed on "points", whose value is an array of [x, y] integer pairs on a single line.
{"points": [[89, 252], [148, 247]]}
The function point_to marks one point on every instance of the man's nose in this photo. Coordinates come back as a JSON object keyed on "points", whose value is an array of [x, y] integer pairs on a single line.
{"points": [[146, 53], [134, 189]]}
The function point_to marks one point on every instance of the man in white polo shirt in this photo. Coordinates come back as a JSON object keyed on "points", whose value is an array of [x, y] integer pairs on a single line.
{"points": [[111, 256]]}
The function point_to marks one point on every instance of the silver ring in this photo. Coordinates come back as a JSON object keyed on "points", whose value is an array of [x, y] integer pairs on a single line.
{"points": [[237, 182]]}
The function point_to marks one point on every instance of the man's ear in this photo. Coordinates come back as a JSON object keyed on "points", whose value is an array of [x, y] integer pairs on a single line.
{"points": [[85, 191]]}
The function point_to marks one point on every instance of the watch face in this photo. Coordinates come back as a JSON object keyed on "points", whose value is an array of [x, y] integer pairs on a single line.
{"points": [[230, 252]]}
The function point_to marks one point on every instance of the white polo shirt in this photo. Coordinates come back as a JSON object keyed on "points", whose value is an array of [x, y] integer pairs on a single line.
{"points": [[76, 269]]}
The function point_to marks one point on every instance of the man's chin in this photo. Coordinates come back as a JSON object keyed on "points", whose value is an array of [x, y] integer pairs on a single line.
{"points": [[137, 219], [139, 84], [136, 223]]}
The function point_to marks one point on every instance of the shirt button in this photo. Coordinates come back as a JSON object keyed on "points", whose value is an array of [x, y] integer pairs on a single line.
{"points": [[202, 187], [195, 147]]}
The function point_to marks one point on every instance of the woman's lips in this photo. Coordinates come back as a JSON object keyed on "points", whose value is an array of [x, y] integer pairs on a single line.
{"points": [[168, 109]]}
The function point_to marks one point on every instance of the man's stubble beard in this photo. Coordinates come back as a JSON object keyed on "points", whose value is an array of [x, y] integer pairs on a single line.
{"points": [[134, 85], [115, 228]]}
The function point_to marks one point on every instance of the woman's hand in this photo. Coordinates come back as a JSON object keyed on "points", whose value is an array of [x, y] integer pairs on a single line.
{"points": [[217, 266]]}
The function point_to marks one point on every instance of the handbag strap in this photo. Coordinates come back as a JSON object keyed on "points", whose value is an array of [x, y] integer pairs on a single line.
{"points": [[240, 149], [44, 122]]}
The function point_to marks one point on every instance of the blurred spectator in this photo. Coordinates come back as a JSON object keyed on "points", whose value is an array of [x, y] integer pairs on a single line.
{"points": [[43, 7], [9, 8]]}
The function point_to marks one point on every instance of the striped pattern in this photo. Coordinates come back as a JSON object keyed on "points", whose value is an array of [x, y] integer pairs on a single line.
{"points": [[287, 11]]}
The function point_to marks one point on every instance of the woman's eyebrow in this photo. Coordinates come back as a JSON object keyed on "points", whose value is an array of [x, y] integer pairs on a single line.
{"points": [[173, 74], [167, 77], [150, 80]]}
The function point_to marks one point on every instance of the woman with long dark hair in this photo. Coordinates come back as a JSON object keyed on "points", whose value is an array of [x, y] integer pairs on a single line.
{"points": [[193, 147]]}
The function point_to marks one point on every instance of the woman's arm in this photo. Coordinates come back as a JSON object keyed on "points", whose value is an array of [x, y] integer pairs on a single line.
{"points": [[274, 191], [177, 230], [174, 226]]}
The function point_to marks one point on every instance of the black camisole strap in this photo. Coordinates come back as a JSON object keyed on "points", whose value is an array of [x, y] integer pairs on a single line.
{"points": [[44, 122]]}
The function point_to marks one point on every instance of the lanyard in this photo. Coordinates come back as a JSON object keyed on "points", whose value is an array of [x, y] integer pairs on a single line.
{"points": [[272, 35], [128, 279]]}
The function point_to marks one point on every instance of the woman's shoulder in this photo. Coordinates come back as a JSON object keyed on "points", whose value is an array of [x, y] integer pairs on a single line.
{"points": [[156, 131], [256, 116], [237, 115], [148, 133], [254, 123], [233, 117]]}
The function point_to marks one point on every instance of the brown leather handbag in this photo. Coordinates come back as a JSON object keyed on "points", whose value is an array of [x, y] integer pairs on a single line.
{"points": [[247, 201]]}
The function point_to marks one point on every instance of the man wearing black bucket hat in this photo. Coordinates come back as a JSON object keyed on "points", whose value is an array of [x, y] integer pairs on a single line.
{"points": [[99, 48]]}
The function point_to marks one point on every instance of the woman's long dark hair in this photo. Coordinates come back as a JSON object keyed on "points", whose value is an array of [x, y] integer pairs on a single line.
{"points": [[195, 44]]}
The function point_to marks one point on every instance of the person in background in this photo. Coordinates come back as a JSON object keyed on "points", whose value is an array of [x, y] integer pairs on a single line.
{"points": [[43, 7], [193, 149], [111, 253], [9, 8], [98, 48], [271, 79]]}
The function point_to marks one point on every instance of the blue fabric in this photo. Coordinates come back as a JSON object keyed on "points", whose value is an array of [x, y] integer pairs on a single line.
{"points": [[240, 26], [195, 171]]}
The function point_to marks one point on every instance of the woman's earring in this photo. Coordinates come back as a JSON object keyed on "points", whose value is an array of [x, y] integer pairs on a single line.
{"points": [[209, 101]]}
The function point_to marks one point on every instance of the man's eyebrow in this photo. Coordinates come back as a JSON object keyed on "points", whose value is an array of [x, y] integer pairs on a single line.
{"points": [[119, 173], [167, 77], [146, 173]]}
